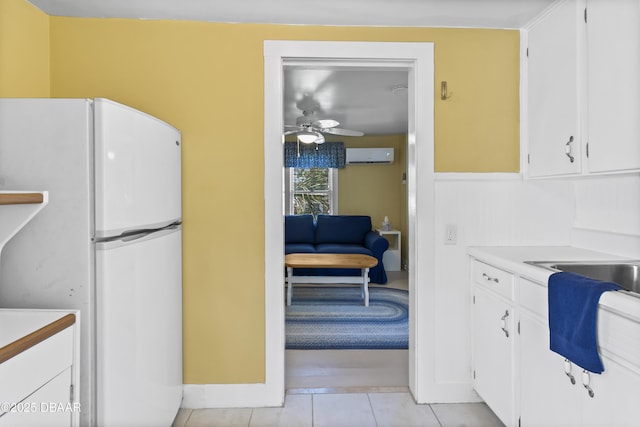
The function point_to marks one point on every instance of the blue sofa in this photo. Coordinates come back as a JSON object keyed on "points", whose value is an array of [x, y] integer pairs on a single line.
{"points": [[335, 234]]}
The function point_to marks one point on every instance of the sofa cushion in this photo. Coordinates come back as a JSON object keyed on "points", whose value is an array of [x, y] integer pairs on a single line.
{"points": [[342, 228], [299, 248], [299, 229], [342, 248]]}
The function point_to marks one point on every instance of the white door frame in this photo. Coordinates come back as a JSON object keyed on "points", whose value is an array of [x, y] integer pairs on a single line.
{"points": [[418, 59]]}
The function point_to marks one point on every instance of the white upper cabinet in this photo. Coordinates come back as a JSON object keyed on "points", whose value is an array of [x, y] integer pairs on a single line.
{"points": [[613, 57], [583, 90], [553, 64]]}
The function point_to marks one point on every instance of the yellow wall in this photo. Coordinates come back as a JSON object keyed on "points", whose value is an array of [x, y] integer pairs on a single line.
{"points": [[24, 50], [477, 128], [375, 190], [207, 80]]}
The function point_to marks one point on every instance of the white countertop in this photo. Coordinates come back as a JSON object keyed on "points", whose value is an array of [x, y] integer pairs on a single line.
{"points": [[512, 259]]}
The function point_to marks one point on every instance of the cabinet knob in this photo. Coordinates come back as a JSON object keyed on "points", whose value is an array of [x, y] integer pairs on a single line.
{"points": [[567, 149], [586, 379], [503, 323], [567, 371], [488, 278]]}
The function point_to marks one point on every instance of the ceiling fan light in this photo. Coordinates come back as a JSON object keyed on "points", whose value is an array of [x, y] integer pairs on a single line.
{"points": [[307, 137]]}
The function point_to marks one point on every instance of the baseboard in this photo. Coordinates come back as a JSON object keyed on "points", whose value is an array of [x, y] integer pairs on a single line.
{"points": [[349, 390], [196, 396]]}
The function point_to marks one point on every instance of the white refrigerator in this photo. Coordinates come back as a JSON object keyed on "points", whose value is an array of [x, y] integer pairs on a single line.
{"points": [[109, 243]]}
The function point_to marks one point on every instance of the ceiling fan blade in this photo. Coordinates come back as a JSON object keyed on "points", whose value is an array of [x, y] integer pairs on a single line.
{"points": [[343, 132], [292, 127], [289, 132]]}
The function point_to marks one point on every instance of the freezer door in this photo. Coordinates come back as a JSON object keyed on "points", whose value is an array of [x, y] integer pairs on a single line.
{"points": [[137, 170], [139, 330]]}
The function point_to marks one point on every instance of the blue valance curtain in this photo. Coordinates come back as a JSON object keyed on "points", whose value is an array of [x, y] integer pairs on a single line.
{"points": [[305, 156]]}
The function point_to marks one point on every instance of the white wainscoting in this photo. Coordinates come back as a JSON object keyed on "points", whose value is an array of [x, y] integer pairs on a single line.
{"points": [[486, 211], [608, 214]]}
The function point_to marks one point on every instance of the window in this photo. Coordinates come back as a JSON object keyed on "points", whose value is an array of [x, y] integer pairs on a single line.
{"points": [[312, 191]]}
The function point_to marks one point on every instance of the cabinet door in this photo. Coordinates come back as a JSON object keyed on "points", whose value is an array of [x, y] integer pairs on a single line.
{"points": [[615, 397], [493, 353], [553, 93], [613, 40], [49, 406], [547, 396]]}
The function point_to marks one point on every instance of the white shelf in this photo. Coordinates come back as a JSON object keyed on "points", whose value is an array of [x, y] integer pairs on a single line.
{"points": [[17, 208], [392, 256]]}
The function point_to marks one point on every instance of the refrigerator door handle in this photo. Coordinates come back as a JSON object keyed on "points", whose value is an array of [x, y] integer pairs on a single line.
{"points": [[137, 235], [132, 237]]}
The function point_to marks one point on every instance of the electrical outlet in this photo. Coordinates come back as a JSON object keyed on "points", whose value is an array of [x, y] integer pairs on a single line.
{"points": [[451, 234]]}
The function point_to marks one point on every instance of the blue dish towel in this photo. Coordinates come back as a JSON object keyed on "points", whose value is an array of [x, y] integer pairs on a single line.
{"points": [[573, 308]]}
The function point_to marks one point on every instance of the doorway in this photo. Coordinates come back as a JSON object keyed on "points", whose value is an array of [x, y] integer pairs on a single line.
{"points": [[358, 99], [417, 59]]}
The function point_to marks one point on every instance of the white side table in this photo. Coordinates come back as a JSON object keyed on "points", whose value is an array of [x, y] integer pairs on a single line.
{"points": [[391, 257]]}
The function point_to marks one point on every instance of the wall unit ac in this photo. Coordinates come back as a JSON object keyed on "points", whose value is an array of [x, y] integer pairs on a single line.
{"points": [[367, 156]]}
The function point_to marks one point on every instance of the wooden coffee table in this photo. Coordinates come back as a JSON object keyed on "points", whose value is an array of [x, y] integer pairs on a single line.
{"points": [[363, 262]]}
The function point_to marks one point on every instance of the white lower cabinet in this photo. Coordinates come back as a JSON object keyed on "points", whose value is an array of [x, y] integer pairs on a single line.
{"points": [[615, 400], [493, 340], [39, 369], [493, 343], [528, 385], [48, 406], [547, 395], [552, 390]]}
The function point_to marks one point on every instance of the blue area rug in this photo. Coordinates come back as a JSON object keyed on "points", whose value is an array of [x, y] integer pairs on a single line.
{"points": [[324, 318]]}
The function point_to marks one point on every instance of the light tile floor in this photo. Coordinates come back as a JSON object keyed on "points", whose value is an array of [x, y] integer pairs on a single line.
{"points": [[345, 410]]}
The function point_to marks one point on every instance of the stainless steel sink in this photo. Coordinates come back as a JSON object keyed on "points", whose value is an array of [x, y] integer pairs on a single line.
{"points": [[625, 274]]}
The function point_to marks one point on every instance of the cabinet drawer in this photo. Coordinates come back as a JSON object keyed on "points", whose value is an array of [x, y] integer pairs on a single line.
{"points": [[493, 278], [26, 372], [533, 296]]}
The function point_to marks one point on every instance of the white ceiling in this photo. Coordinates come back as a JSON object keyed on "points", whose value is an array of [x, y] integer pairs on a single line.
{"points": [[359, 100], [414, 13], [373, 101]]}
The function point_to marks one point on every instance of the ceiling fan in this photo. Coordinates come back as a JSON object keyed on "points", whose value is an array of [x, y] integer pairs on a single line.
{"points": [[309, 128]]}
